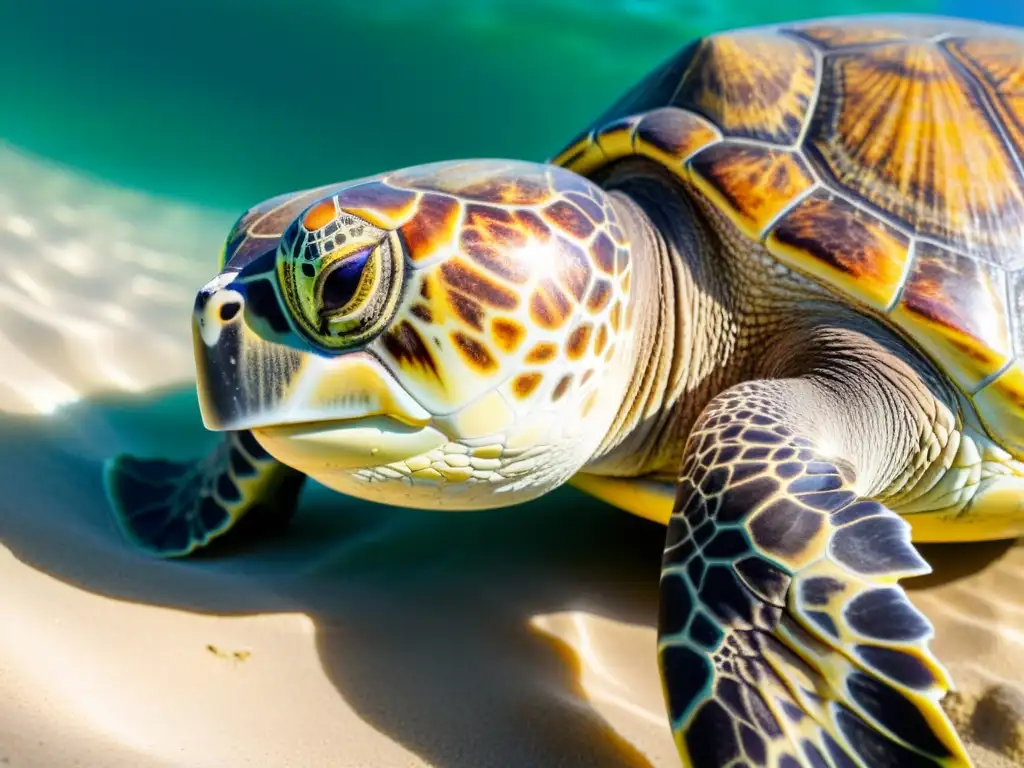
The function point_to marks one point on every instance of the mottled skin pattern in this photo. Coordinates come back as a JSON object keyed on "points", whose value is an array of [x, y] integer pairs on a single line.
{"points": [[771, 298], [512, 312]]}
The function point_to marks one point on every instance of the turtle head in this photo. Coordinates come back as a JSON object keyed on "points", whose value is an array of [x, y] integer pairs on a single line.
{"points": [[455, 334]]}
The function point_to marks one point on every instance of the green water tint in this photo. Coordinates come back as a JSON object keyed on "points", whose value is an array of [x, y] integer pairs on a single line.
{"points": [[225, 102]]}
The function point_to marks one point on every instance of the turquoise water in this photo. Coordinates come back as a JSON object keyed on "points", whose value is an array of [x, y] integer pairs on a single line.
{"points": [[225, 102]]}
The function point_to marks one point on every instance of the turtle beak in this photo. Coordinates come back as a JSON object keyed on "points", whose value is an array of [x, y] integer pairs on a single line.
{"points": [[304, 407], [242, 380]]}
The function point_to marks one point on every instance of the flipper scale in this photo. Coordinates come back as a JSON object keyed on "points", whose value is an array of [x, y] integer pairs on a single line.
{"points": [[784, 637], [173, 508]]}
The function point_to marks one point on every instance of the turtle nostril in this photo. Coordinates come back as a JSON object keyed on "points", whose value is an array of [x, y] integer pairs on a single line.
{"points": [[228, 310]]}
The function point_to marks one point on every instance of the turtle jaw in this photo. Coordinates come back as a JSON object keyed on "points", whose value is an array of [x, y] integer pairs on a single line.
{"points": [[324, 450], [313, 412]]}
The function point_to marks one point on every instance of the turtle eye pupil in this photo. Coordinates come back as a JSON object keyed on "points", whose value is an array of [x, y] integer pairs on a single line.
{"points": [[342, 282]]}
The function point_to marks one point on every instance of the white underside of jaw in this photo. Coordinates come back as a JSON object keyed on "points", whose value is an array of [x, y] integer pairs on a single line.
{"points": [[527, 456], [484, 475]]}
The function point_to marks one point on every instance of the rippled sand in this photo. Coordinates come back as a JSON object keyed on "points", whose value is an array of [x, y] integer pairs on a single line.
{"points": [[367, 636]]}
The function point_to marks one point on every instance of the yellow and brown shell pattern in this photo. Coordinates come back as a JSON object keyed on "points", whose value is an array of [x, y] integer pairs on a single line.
{"points": [[514, 300], [881, 157]]}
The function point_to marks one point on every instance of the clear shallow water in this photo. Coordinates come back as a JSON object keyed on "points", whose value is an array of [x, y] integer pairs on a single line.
{"points": [[200, 108], [226, 102]]}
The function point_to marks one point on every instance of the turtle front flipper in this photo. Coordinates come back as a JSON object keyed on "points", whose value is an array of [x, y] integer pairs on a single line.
{"points": [[172, 508], [784, 638]]}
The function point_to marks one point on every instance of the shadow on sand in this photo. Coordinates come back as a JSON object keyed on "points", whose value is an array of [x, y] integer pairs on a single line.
{"points": [[411, 609]]}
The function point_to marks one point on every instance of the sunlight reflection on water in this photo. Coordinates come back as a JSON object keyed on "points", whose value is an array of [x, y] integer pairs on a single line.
{"points": [[97, 285]]}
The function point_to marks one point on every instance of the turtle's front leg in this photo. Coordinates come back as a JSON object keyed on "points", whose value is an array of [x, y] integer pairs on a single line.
{"points": [[784, 638], [172, 508]]}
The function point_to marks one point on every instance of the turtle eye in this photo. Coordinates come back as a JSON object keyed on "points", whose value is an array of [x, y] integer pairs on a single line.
{"points": [[339, 281], [345, 283]]}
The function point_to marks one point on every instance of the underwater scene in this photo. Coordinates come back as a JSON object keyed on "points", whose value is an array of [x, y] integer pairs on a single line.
{"points": [[538, 628]]}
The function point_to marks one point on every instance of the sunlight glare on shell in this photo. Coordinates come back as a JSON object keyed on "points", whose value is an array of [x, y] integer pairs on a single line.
{"points": [[541, 257]]}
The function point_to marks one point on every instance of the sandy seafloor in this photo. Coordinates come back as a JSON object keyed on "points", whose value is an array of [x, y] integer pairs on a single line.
{"points": [[366, 636]]}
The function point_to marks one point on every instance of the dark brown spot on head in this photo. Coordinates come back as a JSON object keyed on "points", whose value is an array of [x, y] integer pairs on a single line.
{"points": [[490, 237], [425, 289], [600, 295], [526, 384], [601, 339], [422, 311], [573, 269], [433, 223], [568, 218], [507, 333], [542, 352], [468, 310], [576, 344], [477, 285], [615, 317], [533, 225], [550, 307], [473, 352], [603, 251], [407, 347], [562, 387], [585, 203]]}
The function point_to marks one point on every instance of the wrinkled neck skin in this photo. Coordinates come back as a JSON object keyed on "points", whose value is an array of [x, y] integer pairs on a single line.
{"points": [[713, 310], [686, 343]]}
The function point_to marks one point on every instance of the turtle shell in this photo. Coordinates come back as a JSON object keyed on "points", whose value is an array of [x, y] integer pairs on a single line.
{"points": [[879, 156]]}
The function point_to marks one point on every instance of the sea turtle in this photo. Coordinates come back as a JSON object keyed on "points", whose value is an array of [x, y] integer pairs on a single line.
{"points": [[770, 298]]}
